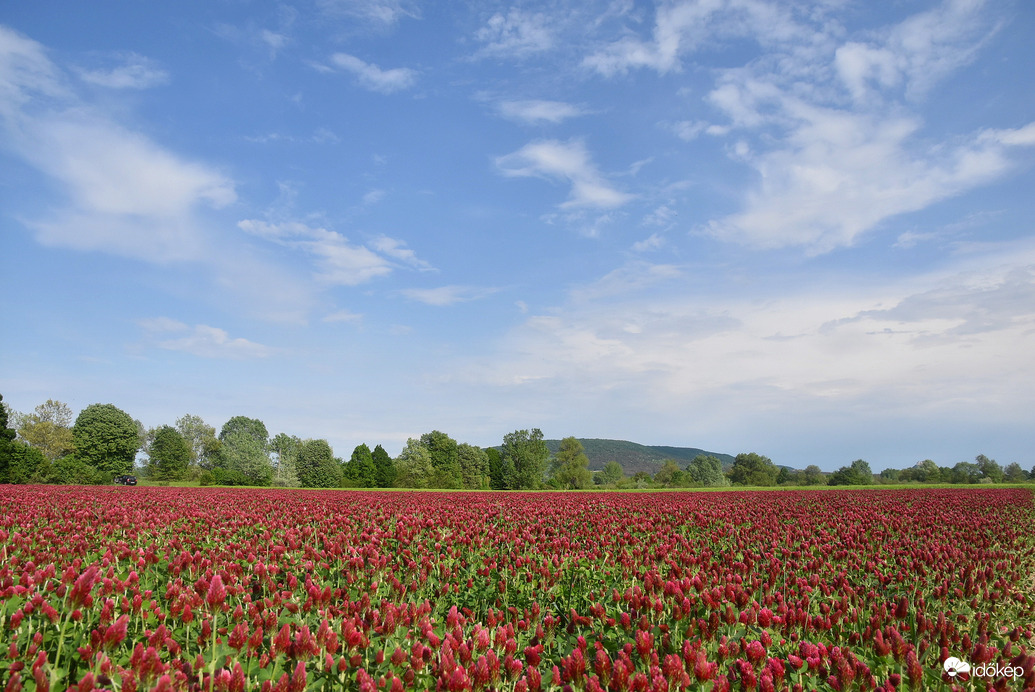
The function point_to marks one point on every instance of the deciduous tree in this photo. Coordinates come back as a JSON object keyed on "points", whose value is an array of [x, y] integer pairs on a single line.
{"points": [[528, 453], [169, 454], [49, 429], [753, 469], [245, 449], [316, 467], [474, 466], [413, 466], [706, 470], [612, 474], [106, 438], [570, 466]]}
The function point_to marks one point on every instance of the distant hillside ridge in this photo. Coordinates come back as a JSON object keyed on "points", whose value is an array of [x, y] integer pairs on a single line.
{"points": [[636, 457]]}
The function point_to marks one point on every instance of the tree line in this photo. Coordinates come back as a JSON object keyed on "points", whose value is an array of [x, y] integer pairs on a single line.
{"points": [[103, 441]]}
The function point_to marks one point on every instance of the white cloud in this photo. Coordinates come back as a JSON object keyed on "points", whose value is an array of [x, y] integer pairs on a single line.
{"points": [[568, 162], [652, 242], [202, 340], [127, 194], [535, 111], [682, 27], [397, 250], [379, 12], [447, 295], [344, 316], [372, 77], [338, 261], [134, 72], [954, 342], [517, 34]]}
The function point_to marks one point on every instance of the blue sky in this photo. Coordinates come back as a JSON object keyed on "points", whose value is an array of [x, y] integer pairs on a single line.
{"points": [[798, 229]]}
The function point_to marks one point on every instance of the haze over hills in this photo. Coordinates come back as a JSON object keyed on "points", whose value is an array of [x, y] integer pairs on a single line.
{"points": [[636, 457]]}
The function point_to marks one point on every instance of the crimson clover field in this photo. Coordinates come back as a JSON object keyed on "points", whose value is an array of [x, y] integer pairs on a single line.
{"points": [[199, 588]]}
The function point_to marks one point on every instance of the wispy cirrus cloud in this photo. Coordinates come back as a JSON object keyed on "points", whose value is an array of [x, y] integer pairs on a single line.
{"points": [[131, 71], [338, 261], [535, 111], [374, 78], [568, 162], [447, 295], [201, 340], [125, 193], [516, 34], [826, 117], [385, 13]]}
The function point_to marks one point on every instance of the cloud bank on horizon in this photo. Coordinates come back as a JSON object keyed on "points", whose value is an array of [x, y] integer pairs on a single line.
{"points": [[733, 224]]}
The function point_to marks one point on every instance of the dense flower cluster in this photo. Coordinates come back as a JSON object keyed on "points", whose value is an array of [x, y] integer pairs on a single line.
{"points": [[198, 589]]}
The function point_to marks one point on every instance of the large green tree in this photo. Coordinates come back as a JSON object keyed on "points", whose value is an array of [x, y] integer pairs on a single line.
{"points": [[501, 474], [245, 450], [413, 466], [858, 473], [106, 438], [19, 463], [284, 449], [753, 469], [316, 467], [706, 470], [445, 460], [169, 454], [570, 466], [612, 474], [526, 451], [48, 428], [384, 468], [989, 468], [200, 437], [360, 469], [474, 466]]}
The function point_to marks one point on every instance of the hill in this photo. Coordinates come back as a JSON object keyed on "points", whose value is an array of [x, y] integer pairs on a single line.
{"points": [[636, 457]]}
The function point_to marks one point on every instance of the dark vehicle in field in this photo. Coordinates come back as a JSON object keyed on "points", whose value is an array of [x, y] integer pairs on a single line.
{"points": [[126, 480]]}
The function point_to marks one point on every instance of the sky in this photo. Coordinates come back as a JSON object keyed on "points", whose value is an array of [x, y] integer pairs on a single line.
{"points": [[798, 229]]}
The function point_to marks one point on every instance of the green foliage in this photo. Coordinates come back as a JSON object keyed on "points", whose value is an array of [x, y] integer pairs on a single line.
{"points": [[474, 466], [445, 460], [316, 467], [106, 438], [245, 450], [360, 469], [7, 434], [706, 470], [384, 468], [48, 429], [71, 470], [858, 473], [989, 468], [670, 475], [1013, 473], [20, 463], [285, 448], [570, 467], [527, 452], [753, 469], [613, 474], [500, 475], [964, 472], [413, 466], [169, 454], [200, 437]]}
